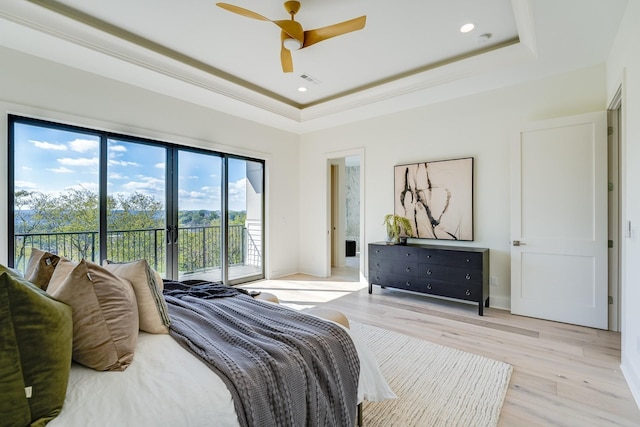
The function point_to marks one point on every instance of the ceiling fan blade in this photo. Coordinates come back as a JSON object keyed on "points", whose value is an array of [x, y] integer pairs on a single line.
{"points": [[242, 11], [292, 28], [312, 37], [285, 54]]}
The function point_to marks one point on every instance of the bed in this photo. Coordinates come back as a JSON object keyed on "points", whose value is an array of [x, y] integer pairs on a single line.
{"points": [[162, 379]]}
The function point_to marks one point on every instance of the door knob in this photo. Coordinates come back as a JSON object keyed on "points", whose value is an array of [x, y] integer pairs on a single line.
{"points": [[518, 243]]}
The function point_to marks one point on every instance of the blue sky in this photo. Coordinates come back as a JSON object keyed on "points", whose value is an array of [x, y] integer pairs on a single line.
{"points": [[52, 161]]}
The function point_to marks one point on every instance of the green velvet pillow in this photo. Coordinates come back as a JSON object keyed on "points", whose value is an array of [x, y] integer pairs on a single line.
{"points": [[36, 335]]}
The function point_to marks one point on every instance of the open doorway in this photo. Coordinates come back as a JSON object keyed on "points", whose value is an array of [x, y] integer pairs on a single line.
{"points": [[345, 214]]}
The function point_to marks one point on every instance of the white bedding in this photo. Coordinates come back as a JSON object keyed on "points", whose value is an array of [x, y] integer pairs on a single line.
{"points": [[168, 386]]}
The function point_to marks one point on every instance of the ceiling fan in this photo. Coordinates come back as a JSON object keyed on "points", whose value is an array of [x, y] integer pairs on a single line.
{"points": [[292, 36]]}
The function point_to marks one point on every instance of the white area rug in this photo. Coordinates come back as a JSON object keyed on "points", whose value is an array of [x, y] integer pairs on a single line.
{"points": [[436, 385]]}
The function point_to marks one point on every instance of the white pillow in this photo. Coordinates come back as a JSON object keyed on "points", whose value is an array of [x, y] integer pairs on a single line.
{"points": [[148, 286]]}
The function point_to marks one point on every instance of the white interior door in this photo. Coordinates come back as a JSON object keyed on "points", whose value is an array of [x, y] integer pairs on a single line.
{"points": [[559, 220]]}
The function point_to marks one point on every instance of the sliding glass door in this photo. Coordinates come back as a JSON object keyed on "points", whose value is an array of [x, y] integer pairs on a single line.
{"points": [[245, 191], [197, 246], [80, 193], [135, 203], [53, 198]]}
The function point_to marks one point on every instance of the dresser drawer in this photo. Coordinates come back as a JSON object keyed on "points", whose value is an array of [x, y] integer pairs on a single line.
{"points": [[469, 292], [400, 281], [394, 266], [452, 274], [452, 258], [396, 252]]}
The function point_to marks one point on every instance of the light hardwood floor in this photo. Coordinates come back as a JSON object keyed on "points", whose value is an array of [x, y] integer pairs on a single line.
{"points": [[564, 375]]}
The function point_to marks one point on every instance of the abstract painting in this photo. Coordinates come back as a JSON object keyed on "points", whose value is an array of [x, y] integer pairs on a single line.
{"points": [[437, 197]]}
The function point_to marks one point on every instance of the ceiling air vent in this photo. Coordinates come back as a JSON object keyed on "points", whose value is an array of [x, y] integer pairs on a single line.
{"points": [[310, 79]]}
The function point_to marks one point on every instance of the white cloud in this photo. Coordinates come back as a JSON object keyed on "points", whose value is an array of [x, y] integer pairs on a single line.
{"points": [[115, 175], [83, 161], [48, 145], [25, 185], [146, 185], [60, 170], [122, 163], [83, 145], [26, 168], [160, 165], [91, 186], [238, 188], [193, 195], [120, 148]]}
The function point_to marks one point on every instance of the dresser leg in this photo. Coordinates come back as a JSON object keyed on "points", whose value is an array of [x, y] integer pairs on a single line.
{"points": [[480, 311], [370, 288]]}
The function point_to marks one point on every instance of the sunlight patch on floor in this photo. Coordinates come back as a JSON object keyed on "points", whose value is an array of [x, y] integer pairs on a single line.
{"points": [[317, 290]]}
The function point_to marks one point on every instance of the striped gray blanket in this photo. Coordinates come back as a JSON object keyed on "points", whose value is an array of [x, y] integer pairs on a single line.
{"points": [[282, 367]]}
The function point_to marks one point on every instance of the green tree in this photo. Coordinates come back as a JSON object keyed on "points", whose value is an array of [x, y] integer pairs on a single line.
{"points": [[30, 217]]}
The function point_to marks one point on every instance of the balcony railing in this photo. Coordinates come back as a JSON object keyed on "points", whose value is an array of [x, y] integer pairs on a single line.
{"points": [[199, 248]]}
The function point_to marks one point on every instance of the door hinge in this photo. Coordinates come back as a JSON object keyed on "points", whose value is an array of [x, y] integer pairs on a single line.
{"points": [[610, 243], [610, 130], [610, 186], [610, 299]]}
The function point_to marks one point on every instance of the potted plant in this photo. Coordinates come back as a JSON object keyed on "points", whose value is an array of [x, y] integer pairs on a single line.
{"points": [[397, 226]]}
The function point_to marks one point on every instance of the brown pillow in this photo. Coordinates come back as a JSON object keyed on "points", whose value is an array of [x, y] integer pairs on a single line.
{"points": [[147, 285], [105, 317], [63, 268], [40, 267]]}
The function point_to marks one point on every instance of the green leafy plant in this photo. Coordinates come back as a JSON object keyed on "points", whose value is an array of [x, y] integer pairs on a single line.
{"points": [[397, 226]]}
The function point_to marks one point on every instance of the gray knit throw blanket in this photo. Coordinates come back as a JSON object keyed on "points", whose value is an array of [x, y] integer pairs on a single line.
{"points": [[282, 367]]}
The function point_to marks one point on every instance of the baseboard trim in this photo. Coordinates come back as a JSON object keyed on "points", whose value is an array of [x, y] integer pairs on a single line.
{"points": [[632, 377], [503, 303]]}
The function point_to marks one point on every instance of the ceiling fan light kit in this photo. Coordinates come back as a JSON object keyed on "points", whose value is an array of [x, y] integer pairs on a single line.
{"points": [[292, 44], [292, 36]]}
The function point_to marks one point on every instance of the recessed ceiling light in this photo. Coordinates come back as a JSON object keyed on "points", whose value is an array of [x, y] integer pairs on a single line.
{"points": [[302, 89], [467, 27]]}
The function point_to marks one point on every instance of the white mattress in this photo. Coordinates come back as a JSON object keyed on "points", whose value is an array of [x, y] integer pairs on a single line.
{"points": [[168, 386]]}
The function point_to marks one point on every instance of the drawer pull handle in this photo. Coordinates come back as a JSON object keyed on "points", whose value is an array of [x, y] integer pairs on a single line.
{"points": [[377, 251], [428, 272], [468, 276], [408, 283], [408, 270], [468, 260], [377, 264], [468, 292], [408, 254], [429, 286], [428, 256]]}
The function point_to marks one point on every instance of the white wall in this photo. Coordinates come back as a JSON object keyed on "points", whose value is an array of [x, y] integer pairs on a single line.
{"points": [[623, 69], [479, 126], [38, 88]]}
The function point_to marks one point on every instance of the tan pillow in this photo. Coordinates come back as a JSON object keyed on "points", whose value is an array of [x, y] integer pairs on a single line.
{"points": [[105, 317], [148, 286], [40, 267], [63, 269]]}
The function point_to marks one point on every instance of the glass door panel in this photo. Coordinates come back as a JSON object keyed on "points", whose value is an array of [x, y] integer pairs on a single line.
{"points": [[136, 188], [245, 192], [55, 183], [200, 239]]}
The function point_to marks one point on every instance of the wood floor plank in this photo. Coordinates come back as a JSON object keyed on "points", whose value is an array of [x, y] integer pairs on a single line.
{"points": [[564, 375]]}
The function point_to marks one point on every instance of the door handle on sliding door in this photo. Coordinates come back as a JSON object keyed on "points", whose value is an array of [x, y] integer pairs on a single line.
{"points": [[169, 234]]}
